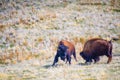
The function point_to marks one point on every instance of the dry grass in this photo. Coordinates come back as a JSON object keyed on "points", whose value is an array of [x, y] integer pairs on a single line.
{"points": [[31, 30], [33, 70]]}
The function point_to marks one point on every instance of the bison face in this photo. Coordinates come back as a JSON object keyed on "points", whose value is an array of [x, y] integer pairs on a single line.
{"points": [[62, 52], [63, 58], [83, 55], [86, 57]]}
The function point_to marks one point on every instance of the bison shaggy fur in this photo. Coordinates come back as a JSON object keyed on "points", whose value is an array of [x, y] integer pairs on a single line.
{"points": [[96, 47], [64, 51]]}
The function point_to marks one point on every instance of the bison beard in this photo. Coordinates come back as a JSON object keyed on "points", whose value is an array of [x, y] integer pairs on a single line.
{"points": [[64, 51], [95, 48]]}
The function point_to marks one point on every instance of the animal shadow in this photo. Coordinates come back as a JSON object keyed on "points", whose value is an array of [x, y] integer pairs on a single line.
{"points": [[47, 66], [84, 64]]}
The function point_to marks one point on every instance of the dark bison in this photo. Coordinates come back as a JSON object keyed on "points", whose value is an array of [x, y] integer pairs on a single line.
{"points": [[64, 51], [96, 47]]}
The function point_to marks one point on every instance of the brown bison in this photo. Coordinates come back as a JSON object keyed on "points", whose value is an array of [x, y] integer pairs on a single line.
{"points": [[96, 47], [64, 51]]}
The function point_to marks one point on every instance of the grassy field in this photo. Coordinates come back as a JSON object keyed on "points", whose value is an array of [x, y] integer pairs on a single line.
{"points": [[41, 70], [30, 32]]}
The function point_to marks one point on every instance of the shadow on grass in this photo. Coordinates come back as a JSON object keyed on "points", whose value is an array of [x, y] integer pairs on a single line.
{"points": [[50, 66], [83, 64], [87, 64], [98, 63], [117, 54], [47, 66], [57, 65]]}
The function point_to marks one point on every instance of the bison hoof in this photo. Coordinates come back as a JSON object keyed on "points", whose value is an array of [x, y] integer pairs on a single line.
{"points": [[88, 63]]}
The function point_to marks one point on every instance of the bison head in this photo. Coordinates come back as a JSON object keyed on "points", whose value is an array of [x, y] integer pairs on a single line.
{"points": [[86, 57], [82, 55], [62, 51]]}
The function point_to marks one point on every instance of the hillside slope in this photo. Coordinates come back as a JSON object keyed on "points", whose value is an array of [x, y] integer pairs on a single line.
{"points": [[30, 32]]}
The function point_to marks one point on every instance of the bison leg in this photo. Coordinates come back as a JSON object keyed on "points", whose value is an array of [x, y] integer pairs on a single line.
{"points": [[96, 59], [55, 60], [109, 59], [109, 55], [68, 59], [88, 63], [74, 55], [88, 60]]}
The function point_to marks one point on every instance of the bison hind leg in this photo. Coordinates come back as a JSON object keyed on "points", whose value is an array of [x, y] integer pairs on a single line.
{"points": [[74, 55], [109, 59]]}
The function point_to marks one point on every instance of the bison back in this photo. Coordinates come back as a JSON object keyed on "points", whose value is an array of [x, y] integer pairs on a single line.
{"points": [[70, 46], [96, 47]]}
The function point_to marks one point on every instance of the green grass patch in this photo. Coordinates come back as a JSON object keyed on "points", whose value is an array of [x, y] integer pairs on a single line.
{"points": [[2, 46], [118, 41], [1, 62], [116, 10], [64, 4], [79, 21], [11, 45]]}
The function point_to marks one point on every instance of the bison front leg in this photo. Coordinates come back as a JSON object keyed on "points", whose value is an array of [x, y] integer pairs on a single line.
{"points": [[96, 59], [88, 60], [55, 60], [68, 59]]}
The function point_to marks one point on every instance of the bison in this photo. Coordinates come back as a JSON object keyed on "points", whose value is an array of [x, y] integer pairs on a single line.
{"points": [[64, 51], [96, 47]]}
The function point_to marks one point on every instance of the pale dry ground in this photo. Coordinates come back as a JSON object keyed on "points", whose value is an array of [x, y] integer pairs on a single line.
{"points": [[30, 32], [42, 70]]}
